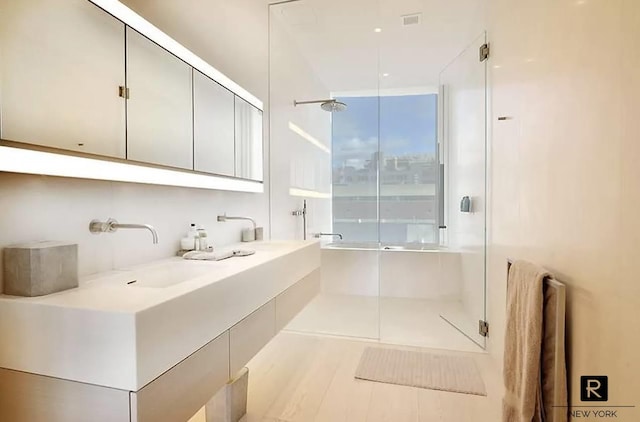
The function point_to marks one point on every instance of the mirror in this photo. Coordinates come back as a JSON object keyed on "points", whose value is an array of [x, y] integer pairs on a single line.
{"points": [[213, 126], [60, 68], [159, 108], [248, 140]]}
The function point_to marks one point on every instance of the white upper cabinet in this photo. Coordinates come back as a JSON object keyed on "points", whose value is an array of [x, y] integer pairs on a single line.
{"points": [[94, 77], [61, 63], [248, 135], [159, 108], [213, 126]]}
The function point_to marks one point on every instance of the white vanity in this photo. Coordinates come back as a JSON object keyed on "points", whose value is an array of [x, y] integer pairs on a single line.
{"points": [[148, 343]]}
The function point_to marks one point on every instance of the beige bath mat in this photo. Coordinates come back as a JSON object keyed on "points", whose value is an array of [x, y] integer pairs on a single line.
{"points": [[418, 369]]}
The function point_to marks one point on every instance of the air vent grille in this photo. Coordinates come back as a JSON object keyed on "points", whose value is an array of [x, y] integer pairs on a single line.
{"points": [[412, 19]]}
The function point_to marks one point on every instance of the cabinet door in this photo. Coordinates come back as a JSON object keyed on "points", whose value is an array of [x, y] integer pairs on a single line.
{"points": [[61, 64], [159, 109], [248, 140], [213, 126]]}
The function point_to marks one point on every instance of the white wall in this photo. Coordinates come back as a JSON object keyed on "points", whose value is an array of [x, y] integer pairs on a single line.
{"points": [[565, 177]]}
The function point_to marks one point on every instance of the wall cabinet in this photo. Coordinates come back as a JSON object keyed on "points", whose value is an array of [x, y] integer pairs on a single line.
{"points": [[248, 140], [95, 78], [213, 126], [60, 68], [159, 106]]}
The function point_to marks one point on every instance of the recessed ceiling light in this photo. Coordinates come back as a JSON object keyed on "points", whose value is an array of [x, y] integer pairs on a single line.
{"points": [[377, 30], [385, 74]]}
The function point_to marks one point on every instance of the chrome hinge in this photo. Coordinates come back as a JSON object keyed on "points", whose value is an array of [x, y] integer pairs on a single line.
{"points": [[123, 92], [483, 328], [484, 52]]}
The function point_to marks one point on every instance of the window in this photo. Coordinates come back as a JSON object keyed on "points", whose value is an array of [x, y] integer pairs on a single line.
{"points": [[385, 169]]}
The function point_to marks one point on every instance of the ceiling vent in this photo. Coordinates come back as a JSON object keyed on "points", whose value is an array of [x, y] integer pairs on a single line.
{"points": [[412, 19]]}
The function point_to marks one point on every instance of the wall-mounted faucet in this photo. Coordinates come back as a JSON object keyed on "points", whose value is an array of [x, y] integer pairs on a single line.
{"points": [[303, 213], [318, 235], [223, 218], [112, 225], [248, 235]]}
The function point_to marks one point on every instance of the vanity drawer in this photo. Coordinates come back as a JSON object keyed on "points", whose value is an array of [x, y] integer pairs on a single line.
{"points": [[251, 334], [295, 298], [28, 397], [177, 394]]}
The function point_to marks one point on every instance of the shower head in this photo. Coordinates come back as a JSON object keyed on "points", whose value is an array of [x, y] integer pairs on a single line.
{"points": [[330, 105]]}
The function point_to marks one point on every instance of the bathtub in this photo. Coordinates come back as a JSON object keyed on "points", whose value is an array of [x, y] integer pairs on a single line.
{"points": [[382, 246], [415, 271]]}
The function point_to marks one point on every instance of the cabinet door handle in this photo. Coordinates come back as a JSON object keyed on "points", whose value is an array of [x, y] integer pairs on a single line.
{"points": [[123, 92]]}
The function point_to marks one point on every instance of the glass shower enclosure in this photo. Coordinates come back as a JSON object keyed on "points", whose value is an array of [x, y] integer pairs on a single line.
{"points": [[406, 167]]}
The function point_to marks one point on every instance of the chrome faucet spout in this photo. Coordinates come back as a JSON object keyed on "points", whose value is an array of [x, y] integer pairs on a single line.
{"points": [[225, 217], [112, 225]]}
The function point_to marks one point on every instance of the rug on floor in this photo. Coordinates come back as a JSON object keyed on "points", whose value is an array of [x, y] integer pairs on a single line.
{"points": [[458, 374]]}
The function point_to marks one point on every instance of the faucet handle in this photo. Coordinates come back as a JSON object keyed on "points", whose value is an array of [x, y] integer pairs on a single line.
{"points": [[97, 226]]}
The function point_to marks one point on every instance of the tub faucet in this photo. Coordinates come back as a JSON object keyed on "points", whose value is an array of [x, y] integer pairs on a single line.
{"points": [[318, 235], [112, 225]]}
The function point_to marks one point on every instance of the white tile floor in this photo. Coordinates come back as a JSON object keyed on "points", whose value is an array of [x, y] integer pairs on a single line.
{"points": [[413, 322]]}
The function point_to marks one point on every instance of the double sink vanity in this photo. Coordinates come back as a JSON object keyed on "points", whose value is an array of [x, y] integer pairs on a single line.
{"points": [[152, 342]]}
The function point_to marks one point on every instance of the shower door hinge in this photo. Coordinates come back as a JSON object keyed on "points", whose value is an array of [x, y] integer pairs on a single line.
{"points": [[123, 92], [483, 328], [484, 52]]}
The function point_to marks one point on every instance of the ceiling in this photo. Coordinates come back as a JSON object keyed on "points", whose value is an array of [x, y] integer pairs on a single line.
{"points": [[338, 39]]}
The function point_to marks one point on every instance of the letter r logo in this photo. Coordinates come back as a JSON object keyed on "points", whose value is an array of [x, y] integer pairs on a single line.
{"points": [[594, 388]]}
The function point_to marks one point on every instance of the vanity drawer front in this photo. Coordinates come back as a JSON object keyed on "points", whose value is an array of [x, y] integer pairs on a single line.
{"points": [[295, 298], [250, 335], [28, 397], [177, 394]]}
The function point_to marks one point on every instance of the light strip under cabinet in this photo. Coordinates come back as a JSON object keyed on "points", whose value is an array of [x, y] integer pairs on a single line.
{"points": [[18, 160], [146, 28]]}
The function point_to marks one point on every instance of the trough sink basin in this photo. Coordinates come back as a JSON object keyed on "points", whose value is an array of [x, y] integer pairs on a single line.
{"points": [[168, 274]]}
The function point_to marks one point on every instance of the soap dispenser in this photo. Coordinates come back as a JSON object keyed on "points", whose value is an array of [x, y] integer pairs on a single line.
{"points": [[188, 243], [465, 204]]}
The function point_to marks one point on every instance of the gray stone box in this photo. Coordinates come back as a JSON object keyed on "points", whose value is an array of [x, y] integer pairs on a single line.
{"points": [[40, 268]]}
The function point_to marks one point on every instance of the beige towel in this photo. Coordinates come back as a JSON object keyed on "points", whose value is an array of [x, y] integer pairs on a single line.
{"points": [[523, 343]]}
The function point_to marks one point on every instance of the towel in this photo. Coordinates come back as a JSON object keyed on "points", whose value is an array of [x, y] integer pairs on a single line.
{"points": [[215, 256], [523, 344]]}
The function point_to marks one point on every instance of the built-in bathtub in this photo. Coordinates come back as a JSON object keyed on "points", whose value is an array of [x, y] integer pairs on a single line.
{"points": [[391, 293], [417, 271]]}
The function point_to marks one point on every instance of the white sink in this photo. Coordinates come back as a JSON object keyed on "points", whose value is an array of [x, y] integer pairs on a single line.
{"points": [[123, 336]]}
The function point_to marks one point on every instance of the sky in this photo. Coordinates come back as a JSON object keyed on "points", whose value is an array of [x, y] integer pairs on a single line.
{"points": [[406, 124]]}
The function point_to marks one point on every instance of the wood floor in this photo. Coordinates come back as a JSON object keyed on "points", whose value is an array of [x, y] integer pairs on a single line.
{"points": [[305, 378]]}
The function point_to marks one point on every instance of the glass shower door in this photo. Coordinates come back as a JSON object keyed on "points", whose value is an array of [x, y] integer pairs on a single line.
{"points": [[463, 145]]}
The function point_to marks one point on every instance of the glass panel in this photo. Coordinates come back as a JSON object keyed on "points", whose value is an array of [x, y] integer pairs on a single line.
{"points": [[312, 60], [408, 169], [463, 87], [354, 140], [159, 110]]}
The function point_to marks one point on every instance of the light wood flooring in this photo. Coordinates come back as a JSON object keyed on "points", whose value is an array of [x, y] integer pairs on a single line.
{"points": [[307, 378]]}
